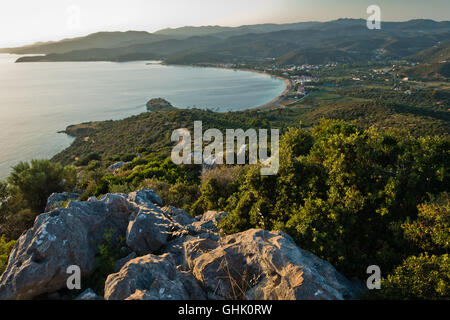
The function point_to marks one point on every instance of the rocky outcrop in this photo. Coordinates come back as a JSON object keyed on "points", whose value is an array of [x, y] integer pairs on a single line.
{"points": [[258, 264], [89, 294], [148, 231], [152, 278], [59, 200], [159, 104], [115, 167], [173, 255], [59, 239]]}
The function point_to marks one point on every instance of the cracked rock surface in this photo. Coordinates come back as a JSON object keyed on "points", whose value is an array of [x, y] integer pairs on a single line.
{"points": [[173, 255]]}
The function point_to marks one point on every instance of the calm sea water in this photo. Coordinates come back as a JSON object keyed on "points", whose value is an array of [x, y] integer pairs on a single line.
{"points": [[39, 99]]}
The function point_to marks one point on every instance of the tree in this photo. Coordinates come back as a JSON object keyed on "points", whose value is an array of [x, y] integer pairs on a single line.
{"points": [[38, 180]]}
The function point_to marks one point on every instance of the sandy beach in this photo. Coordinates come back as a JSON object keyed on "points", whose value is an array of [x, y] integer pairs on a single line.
{"points": [[276, 100], [269, 104]]}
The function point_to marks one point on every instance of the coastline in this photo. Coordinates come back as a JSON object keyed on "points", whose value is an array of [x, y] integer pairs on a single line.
{"points": [[275, 101]]}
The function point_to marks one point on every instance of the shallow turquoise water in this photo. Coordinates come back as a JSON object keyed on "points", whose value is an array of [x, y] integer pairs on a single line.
{"points": [[39, 99]]}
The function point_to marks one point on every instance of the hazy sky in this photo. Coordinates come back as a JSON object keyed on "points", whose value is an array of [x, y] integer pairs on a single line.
{"points": [[26, 21]]}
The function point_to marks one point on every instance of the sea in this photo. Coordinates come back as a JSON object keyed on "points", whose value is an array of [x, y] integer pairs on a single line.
{"points": [[40, 99]]}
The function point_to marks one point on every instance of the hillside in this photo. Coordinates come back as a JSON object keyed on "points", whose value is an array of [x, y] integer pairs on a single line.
{"points": [[104, 40], [438, 53], [429, 71], [343, 40]]}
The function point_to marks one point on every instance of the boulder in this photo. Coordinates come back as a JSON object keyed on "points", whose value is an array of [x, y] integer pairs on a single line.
{"points": [[148, 231], [59, 200], [208, 222], [117, 166], [145, 197], [258, 264], [89, 294], [152, 278], [172, 256], [59, 239], [179, 216], [121, 262]]}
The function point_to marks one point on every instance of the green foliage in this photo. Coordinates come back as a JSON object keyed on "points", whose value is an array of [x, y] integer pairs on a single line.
{"points": [[421, 277], [39, 179], [431, 231], [343, 193], [110, 250], [165, 171], [5, 249], [181, 194], [217, 186], [93, 156], [26, 194]]}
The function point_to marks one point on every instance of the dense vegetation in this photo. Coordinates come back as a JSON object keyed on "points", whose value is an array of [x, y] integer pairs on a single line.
{"points": [[353, 196], [25, 194]]}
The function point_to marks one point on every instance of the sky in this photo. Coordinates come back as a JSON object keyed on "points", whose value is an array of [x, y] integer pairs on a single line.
{"points": [[28, 21]]}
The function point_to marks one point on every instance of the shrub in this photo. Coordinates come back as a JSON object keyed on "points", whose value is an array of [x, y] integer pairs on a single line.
{"points": [[93, 156], [431, 231], [5, 249], [111, 249], [39, 179], [419, 277], [181, 194], [342, 193], [217, 186]]}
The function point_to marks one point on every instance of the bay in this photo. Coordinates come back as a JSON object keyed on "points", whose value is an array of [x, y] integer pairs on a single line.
{"points": [[39, 99]]}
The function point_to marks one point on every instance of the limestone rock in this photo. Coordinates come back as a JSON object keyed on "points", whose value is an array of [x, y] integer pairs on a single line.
{"points": [[121, 262], [59, 239], [148, 231], [258, 264], [145, 197], [178, 215], [89, 294], [173, 256], [151, 278], [59, 200]]}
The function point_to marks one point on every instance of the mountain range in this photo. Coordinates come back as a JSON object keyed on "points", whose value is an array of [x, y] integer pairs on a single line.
{"points": [[343, 40]]}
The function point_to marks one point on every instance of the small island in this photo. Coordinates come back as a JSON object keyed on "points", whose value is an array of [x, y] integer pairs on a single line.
{"points": [[159, 104]]}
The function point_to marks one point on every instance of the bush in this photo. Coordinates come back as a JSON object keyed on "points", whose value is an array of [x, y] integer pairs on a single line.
{"points": [[37, 181], [217, 186], [111, 249], [419, 277], [93, 156], [5, 249], [342, 193], [430, 232], [181, 195]]}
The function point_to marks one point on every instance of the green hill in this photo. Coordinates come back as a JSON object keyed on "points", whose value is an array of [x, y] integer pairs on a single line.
{"points": [[343, 40]]}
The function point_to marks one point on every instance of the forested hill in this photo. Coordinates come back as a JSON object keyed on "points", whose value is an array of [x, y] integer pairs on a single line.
{"points": [[343, 40]]}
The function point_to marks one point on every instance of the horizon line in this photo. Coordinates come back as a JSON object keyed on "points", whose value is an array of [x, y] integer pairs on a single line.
{"points": [[210, 25]]}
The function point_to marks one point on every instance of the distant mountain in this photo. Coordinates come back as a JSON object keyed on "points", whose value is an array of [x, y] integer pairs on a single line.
{"points": [[225, 32], [428, 71], [343, 40], [437, 53], [103, 40], [187, 32]]}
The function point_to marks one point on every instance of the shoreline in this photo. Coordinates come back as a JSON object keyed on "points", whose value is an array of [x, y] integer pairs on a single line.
{"points": [[275, 101]]}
